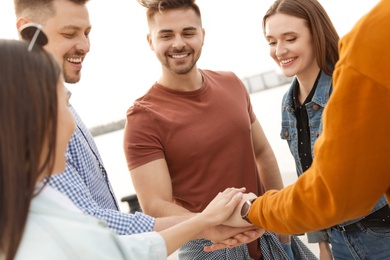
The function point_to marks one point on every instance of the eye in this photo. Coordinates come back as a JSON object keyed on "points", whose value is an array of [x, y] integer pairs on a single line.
{"points": [[69, 35], [271, 43], [87, 32], [291, 39], [165, 36]]}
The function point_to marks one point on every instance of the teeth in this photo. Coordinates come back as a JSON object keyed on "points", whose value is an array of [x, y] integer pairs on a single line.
{"points": [[74, 60], [179, 56], [286, 61]]}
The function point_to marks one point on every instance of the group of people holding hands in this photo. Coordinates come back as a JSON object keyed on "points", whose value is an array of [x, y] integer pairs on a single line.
{"points": [[204, 172]]}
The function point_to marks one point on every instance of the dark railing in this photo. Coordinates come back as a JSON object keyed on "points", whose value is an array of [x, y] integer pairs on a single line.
{"points": [[132, 201]]}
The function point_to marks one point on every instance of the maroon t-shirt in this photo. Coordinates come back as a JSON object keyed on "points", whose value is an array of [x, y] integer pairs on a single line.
{"points": [[204, 136]]}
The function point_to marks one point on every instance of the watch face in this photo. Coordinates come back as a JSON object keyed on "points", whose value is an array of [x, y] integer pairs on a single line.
{"points": [[245, 209]]}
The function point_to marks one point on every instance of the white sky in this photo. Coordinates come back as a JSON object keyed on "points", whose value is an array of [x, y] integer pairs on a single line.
{"points": [[120, 67]]}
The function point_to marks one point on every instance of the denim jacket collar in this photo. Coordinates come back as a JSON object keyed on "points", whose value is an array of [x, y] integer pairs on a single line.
{"points": [[321, 95]]}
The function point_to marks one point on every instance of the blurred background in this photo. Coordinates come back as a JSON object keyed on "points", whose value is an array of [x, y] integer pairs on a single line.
{"points": [[120, 66]]}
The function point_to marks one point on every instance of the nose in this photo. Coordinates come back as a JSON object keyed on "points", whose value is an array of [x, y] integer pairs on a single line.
{"points": [[178, 43], [83, 45], [280, 49]]}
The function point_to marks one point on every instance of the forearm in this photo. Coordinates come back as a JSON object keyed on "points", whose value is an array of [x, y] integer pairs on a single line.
{"points": [[265, 159], [269, 171], [160, 208], [179, 234], [311, 199], [167, 222]]}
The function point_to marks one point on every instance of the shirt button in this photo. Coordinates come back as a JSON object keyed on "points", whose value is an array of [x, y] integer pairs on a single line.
{"points": [[316, 107], [286, 133]]}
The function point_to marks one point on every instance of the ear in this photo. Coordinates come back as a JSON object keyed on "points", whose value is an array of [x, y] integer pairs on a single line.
{"points": [[204, 33], [22, 21], [149, 39]]}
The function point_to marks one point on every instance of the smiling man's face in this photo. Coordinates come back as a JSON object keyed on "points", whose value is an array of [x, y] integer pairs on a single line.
{"points": [[68, 33], [176, 36]]}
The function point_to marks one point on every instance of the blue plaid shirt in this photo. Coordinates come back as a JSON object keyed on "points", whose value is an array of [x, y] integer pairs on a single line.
{"points": [[86, 183]]}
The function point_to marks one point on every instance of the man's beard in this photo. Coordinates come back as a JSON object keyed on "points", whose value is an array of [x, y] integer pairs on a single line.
{"points": [[69, 79], [182, 71]]}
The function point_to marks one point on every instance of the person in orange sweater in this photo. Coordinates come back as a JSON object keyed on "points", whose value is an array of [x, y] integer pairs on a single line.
{"points": [[350, 171]]}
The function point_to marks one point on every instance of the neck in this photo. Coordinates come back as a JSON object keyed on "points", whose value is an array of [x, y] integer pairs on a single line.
{"points": [[306, 83], [190, 81]]}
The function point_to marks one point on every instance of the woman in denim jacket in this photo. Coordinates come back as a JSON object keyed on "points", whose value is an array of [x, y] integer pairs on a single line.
{"points": [[304, 42]]}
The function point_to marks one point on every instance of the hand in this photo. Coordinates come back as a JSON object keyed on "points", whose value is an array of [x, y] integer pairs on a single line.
{"points": [[222, 206], [229, 235], [239, 239], [235, 220]]}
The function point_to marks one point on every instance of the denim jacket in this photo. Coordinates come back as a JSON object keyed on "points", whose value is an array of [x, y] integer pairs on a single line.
{"points": [[314, 109]]}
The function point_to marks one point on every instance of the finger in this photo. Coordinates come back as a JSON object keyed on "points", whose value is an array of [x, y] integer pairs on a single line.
{"points": [[230, 242], [255, 233], [242, 238], [235, 199], [214, 247], [231, 196], [233, 190]]}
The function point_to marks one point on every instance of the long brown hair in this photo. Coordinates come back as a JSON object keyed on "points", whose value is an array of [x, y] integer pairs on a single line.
{"points": [[28, 124], [325, 37]]}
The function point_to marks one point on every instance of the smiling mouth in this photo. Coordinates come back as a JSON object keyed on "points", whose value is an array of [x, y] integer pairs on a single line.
{"points": [[287, 60], [75, 60], [179, 56]]}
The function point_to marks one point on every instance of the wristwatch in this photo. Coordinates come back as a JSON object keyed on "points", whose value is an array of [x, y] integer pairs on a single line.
{"points": [[245, 209]]}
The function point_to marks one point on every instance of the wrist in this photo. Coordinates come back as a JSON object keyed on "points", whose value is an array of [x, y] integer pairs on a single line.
{"points": [[246, 208]]}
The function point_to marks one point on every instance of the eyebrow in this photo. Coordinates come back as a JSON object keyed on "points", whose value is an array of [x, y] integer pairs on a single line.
{"points": [[74, 27], [283, 34], [190, 28]]}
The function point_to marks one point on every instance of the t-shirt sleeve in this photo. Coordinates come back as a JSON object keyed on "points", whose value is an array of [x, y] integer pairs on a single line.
{"points": [[250, 109], [141, 142]]}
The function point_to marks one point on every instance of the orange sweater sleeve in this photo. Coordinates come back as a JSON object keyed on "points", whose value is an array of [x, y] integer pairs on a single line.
{"points": [[351, 166]]}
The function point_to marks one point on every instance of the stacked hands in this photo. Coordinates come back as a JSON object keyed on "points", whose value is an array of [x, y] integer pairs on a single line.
{"points": [[224, 214]]}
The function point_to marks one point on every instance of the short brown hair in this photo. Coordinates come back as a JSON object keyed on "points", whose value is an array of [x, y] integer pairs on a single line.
{"points": [[325, 37], [38, 10], [154, 6]]}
